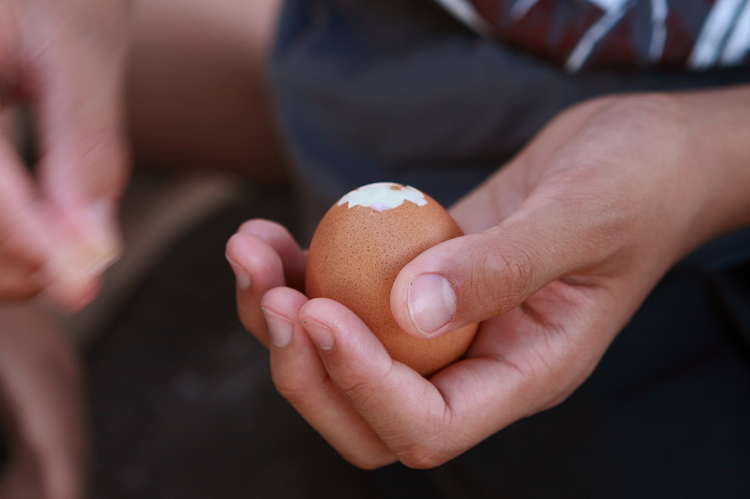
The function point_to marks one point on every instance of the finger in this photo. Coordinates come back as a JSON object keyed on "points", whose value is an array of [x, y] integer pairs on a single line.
{"points": [[549, 346], [407, 412], [426, 423], [74, 75], [258, 269], [263, 256], [23, 248], [475, 277], [301, 378], [279, 238], [493, 201], [36, 252]]}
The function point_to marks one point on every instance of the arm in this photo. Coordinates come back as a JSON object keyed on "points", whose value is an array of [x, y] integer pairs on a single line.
{"points": [[65, 59]]}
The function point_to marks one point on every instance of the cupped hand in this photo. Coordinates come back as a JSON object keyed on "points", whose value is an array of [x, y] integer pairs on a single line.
{"points": [[66, 59], [562, 246]]}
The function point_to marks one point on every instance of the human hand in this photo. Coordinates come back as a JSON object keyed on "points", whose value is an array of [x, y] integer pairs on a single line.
{"points": [[41, 409], [66, 58], [562, 246]]}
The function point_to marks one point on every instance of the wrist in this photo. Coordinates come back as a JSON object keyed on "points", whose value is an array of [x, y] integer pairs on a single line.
{"points": [[719, 147]]}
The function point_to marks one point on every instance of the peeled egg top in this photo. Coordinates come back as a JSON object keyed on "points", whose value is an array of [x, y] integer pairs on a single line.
{"points": [[357, 251]]}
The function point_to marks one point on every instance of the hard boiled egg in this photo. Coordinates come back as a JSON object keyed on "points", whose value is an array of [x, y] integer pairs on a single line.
{"points": [[357, 251]]}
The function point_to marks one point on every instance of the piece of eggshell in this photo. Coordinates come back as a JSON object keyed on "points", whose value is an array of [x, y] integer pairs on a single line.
{"points": [[359, 248]]}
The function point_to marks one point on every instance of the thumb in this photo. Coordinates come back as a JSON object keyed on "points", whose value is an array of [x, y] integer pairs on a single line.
{"points": [[472, 278]]}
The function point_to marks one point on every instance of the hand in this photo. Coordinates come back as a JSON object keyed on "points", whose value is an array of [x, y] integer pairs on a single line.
{"points": [[66, 58], [41, 409], [562, 246]]}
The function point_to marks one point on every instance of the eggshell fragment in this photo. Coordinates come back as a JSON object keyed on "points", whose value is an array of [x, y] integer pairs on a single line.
{"points": [[359, 248]]}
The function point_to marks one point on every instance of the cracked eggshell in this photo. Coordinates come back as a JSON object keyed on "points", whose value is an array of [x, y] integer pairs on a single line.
{"points": [[359, 248]]}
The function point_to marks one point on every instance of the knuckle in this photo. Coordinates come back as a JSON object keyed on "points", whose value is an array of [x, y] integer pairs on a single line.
{"points": [[368, 460], [433, 444], [504, 274], [359, 392], [232, 245], [257, 226], [424, 455], [291, 387], [300, 390], [421, 461], [298, 385], [267, 230], [363, 386]]}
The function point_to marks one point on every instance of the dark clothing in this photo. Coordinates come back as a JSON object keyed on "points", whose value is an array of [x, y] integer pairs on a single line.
{"points": [[398, 90], [664, 415], [623, 34]]}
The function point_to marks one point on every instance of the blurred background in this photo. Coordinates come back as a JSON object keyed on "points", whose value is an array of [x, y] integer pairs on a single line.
{"points": [[180, 397], [181, 400]]}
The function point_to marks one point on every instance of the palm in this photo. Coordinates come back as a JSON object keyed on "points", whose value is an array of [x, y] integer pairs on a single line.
{"points": [[562, 246], [552, 337]]}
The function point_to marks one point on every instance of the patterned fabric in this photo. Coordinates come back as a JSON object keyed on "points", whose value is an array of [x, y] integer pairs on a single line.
{"points": [[622, 34]]}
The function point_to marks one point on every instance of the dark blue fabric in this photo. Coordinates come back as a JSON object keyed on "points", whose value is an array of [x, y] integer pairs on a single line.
{"points": [[396, 90]]}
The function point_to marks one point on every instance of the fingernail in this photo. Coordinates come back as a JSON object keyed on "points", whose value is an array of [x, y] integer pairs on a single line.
{"points": [[100, 219], [320, 334], [242, 275], [279, 328], [431, 302]]}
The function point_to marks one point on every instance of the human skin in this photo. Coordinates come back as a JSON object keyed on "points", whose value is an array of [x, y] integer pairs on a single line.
{"points": [[41, 409], [195, 72], [563, 244], [66, 60], [194, 87]]}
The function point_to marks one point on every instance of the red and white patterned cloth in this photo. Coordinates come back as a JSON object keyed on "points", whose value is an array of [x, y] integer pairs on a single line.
{"points": [[624, 34]]}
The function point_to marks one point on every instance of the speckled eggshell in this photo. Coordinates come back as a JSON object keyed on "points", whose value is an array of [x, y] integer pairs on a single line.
{"points": [[355, 255]]}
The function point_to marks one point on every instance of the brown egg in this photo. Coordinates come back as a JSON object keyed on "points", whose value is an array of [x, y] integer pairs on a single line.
{"points": [[358, 250]]}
